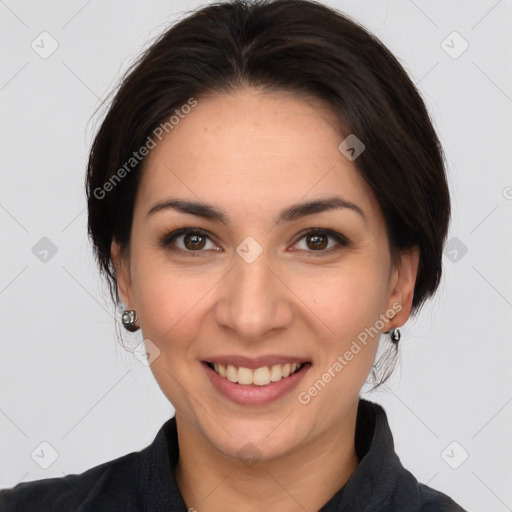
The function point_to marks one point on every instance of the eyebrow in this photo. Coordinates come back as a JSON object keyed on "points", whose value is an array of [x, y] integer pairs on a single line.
{"points": [[291, 213]]}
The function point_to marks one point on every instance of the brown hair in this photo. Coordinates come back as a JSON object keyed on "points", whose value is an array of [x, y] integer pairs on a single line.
{"points": [[292, 45]]}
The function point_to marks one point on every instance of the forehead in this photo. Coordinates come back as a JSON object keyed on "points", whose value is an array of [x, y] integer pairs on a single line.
{"points": [[253, 148]]}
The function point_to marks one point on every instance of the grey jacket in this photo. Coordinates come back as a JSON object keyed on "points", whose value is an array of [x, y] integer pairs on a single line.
{"points": [[144, 481]]}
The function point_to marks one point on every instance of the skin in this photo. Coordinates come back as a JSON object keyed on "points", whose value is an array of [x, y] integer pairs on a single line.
{"points": [[252, 154]]}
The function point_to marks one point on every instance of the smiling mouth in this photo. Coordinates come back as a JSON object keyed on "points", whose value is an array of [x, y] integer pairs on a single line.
{"points": [[258, 376]]}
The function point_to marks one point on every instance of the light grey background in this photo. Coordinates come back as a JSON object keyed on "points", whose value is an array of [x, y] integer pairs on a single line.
{"points": [[66, 381]]}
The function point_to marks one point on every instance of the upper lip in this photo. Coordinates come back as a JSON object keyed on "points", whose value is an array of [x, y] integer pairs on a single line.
{"points": [[254, 362]]}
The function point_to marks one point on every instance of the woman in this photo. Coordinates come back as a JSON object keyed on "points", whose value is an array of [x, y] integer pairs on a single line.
{"points": [[266, 196]]}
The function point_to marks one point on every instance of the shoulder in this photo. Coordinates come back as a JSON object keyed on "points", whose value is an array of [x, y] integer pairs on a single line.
{"points": [[398, 489], [435, 501], [114, 480]]}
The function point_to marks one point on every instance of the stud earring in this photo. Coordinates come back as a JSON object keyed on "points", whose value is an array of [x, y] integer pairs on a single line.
{"points": [[128, 320], [395, 335]]}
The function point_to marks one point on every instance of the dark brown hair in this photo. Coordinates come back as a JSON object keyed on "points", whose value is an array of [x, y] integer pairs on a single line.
{"points": [[292, 45]]}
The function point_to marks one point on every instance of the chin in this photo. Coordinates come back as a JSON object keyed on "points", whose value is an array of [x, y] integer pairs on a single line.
{"points": [[251, 449]]}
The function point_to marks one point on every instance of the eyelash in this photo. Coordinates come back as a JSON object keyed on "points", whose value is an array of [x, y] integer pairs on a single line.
{"points": [[166, 240]]}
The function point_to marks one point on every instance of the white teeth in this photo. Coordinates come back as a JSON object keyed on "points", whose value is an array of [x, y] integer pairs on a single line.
{"points": [[275, 373], [260, 376], [231, 373], [244, 376]]}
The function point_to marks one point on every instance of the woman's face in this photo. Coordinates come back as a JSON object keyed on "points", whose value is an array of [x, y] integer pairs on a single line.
{"points": [[253, 290]]}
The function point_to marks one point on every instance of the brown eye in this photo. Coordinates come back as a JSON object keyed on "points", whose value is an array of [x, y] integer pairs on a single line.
{"points": [[321, 241], [193, 241], [316, 241]]}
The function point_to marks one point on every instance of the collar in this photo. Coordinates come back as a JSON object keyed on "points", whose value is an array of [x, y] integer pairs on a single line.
{"points": [[380, 482]]}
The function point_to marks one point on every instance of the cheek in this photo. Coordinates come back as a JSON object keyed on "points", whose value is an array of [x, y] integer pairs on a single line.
{"points": [[349, 301], [169, 300], [169, 304]]}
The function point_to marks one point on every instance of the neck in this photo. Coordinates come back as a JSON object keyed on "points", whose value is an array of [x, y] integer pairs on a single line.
{"points": [[303, 480]]}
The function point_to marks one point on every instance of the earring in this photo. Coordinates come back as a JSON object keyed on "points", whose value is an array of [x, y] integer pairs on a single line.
{"points": [[128, 320], [395, 335]]}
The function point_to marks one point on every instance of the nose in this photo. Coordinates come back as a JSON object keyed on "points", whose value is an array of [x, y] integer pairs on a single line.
{"points": [[254, 300]]}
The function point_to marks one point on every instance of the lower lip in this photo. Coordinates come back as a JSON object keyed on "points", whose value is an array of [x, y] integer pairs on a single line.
{"points": [[252, 394]]}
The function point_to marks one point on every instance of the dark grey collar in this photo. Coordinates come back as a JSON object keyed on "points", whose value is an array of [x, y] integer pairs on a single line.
{"points": [[380, 482]]}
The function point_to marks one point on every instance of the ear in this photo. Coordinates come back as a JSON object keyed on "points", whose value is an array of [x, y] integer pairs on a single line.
{"points": [[122, 267], [403, 279]]}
